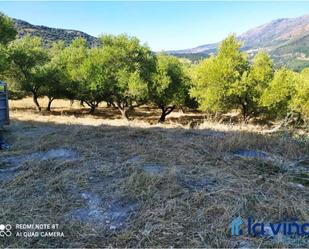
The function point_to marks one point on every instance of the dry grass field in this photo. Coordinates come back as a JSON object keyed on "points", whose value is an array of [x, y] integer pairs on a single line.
{"points": [[111, 182]]}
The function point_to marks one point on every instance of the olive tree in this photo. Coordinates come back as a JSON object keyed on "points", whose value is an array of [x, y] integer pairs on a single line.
{"points": [[95, 79], [88, 72], [278, 96], [27, 57], [246, 92], [227, 81], [300, 100], [168, 87], [55, 83], [72, 58], [130, 66], [214, 77]]}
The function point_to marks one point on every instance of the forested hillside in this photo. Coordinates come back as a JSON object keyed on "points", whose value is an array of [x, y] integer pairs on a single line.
{"points": [[50, 35]]}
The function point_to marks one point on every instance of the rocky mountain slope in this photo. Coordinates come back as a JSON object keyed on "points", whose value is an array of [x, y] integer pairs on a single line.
{"points": [[50, 35], [286, 39]]}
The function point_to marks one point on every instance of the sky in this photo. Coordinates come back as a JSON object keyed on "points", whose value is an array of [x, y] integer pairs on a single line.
{"points": [[162, 25]]}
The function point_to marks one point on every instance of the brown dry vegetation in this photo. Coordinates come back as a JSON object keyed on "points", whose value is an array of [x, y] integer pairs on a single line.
{"points": [[186, 185]]}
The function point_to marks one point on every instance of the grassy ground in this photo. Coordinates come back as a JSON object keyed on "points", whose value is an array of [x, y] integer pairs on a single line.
{"points": [[140, 184]]}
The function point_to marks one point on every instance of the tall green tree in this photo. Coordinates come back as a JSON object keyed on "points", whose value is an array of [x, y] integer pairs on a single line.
{"points": [[90, 73], [130, 68], [27, 56], [217, 79], [72, 58], [246, 91], [169, 85], [55, 82], [95, 79]]}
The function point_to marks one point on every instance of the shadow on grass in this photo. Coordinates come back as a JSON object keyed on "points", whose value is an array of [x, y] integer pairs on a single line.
{"points": [[148, 114]]}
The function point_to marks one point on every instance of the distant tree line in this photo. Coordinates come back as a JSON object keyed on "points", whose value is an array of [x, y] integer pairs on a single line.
{"points": [[126, 74]]}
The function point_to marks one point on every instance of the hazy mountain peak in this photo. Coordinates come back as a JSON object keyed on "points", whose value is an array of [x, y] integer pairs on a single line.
{"points": [[286, 39], [276, 31]]}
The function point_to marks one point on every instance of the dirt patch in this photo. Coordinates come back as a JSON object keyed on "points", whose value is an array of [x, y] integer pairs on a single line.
{"points": [[92, 213], [9, 166], [251, 154], [154, 169], [7, 173], [57, 154], [53, 154], [100, 214], [134, 160], [204, 133]]}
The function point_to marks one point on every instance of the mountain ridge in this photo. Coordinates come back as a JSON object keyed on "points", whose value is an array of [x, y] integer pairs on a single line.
{"points": [[263, 35], [50, 35], [285, 39]]}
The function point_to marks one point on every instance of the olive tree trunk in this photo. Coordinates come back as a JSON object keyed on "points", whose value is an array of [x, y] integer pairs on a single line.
{"points": [[165, 112], [36, 102], [50, 101]]}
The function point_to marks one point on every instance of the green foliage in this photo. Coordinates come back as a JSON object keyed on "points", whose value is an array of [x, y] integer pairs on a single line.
{"points": [[27, 57], [262, 70], [227, 81], [55, 81], [193, 57], [217, 79], [278, 95], [72, 59], [168, 88], [7, 29], [300, 100], [132, 87], [168, 81], [248, 90], [7, 34], [4, 61], [94, 78], [130, 66], [206, 88]]}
